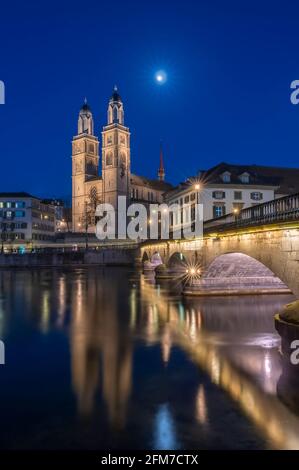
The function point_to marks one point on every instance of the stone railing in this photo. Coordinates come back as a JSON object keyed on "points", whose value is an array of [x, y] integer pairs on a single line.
{"points": [[278, 210]]}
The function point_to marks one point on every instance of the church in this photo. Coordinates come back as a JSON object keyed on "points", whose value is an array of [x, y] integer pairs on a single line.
{"points": [[89, 186]]}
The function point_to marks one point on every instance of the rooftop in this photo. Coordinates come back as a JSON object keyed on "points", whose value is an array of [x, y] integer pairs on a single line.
{"points": [[20, 194]]}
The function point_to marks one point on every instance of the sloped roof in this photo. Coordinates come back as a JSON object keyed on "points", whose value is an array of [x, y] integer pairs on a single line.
{"points": [[19, 194], [256, 176], [154, 184]]}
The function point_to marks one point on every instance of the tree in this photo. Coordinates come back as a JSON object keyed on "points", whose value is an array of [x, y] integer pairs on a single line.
{"points": [[88, 218]]}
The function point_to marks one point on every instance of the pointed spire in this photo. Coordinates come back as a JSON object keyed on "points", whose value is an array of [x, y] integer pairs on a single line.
{"points": [[85, 100], [115, 88], [161, 171]]}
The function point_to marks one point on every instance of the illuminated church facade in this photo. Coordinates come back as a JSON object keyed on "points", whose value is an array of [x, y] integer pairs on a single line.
{"points": [[89, 185]]}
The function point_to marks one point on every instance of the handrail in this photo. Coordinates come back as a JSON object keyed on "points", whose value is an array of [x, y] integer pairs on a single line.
{"points": [[278, 210]]}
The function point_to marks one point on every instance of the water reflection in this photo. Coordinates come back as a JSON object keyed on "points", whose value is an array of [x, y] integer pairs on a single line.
{"points": [[227, 343], [100, 342], [164, 432], [115, 324]]}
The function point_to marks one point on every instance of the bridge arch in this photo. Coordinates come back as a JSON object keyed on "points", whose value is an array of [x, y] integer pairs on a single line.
{"points": [[178, 262], [239, 270], [145, 257], [276, 247]]}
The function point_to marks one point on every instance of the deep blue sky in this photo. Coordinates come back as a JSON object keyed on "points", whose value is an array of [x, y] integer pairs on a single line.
{"points": [[229, 66]]}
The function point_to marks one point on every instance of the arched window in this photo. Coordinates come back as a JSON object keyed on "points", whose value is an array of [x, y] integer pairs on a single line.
{"points": [[115, 114], [109, 157], [123, 159]]}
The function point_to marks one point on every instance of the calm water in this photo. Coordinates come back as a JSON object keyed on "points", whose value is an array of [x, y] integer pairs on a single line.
{"points": [[105, 359]]}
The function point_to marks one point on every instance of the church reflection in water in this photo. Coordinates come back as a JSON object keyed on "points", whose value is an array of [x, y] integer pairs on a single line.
{"points": [[236, 347], [107, 315], [101, 347]]}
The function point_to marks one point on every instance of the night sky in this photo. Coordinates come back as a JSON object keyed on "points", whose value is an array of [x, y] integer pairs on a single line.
{"points": [[227, 97]]}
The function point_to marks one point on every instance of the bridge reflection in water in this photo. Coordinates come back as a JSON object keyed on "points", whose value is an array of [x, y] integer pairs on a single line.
{"points": [[107, 319], [224, 342]]}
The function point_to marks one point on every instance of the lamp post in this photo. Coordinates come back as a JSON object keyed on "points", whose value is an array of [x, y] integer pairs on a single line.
{"points": [[197, 189], [236, 212]]}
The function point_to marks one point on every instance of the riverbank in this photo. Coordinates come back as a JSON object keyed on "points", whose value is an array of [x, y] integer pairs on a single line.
{"points": [[102, 257]]}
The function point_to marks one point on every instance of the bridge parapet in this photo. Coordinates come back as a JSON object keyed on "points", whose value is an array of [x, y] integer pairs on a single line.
{"points": [[284, 209]]}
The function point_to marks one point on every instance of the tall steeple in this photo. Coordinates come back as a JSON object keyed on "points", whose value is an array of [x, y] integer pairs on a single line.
{"points": [[115, 152], [161, 171], [115, 108], [85, 120]]}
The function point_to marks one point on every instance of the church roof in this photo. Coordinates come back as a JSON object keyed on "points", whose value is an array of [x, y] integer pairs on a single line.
{"points": [[85, 107], [154, 184], [115, 95]]}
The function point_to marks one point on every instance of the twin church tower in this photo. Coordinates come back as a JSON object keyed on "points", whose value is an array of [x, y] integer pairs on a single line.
{"points": [[116, 179]]}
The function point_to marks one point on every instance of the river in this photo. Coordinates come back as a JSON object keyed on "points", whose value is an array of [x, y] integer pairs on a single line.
{"points": [[106, 359]]}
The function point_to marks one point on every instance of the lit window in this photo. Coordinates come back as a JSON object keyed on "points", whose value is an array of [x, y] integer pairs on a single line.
{"points": [[256, 196], [19, 213], [218, 211]]}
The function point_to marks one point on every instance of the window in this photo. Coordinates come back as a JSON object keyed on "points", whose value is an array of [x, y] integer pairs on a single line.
{"points": [[186, 199], [192, 197], [193, 212], [226, 177], [238, 206], [218, 194], [8, 214], [91, 148], [244, 178], [237, 194], [109, 159], [218, 211], [256, 196], [20, 204]]}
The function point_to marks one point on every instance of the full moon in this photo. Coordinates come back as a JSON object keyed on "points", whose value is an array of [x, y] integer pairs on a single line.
{"points": [[160, 77]]}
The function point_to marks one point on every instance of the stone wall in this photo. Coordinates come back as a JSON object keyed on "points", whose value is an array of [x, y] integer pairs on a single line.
{"points": [[107, 257]]}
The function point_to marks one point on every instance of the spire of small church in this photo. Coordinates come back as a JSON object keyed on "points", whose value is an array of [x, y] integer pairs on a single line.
{"points": [[161, 171]]}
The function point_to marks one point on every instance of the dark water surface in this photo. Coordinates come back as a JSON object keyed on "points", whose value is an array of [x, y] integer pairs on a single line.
{"points": [[105, 359]]}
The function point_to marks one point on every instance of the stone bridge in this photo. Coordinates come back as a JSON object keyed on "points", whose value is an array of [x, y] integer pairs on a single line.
{"points": [[253, 245]]}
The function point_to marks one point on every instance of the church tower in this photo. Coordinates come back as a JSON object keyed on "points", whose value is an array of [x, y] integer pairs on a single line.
{"points": [[115, 152], [85, 164]]}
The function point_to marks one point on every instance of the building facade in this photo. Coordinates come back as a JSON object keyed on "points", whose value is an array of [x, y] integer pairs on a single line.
{"points": [[90, 186], [221, 190], [25, 219]]}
